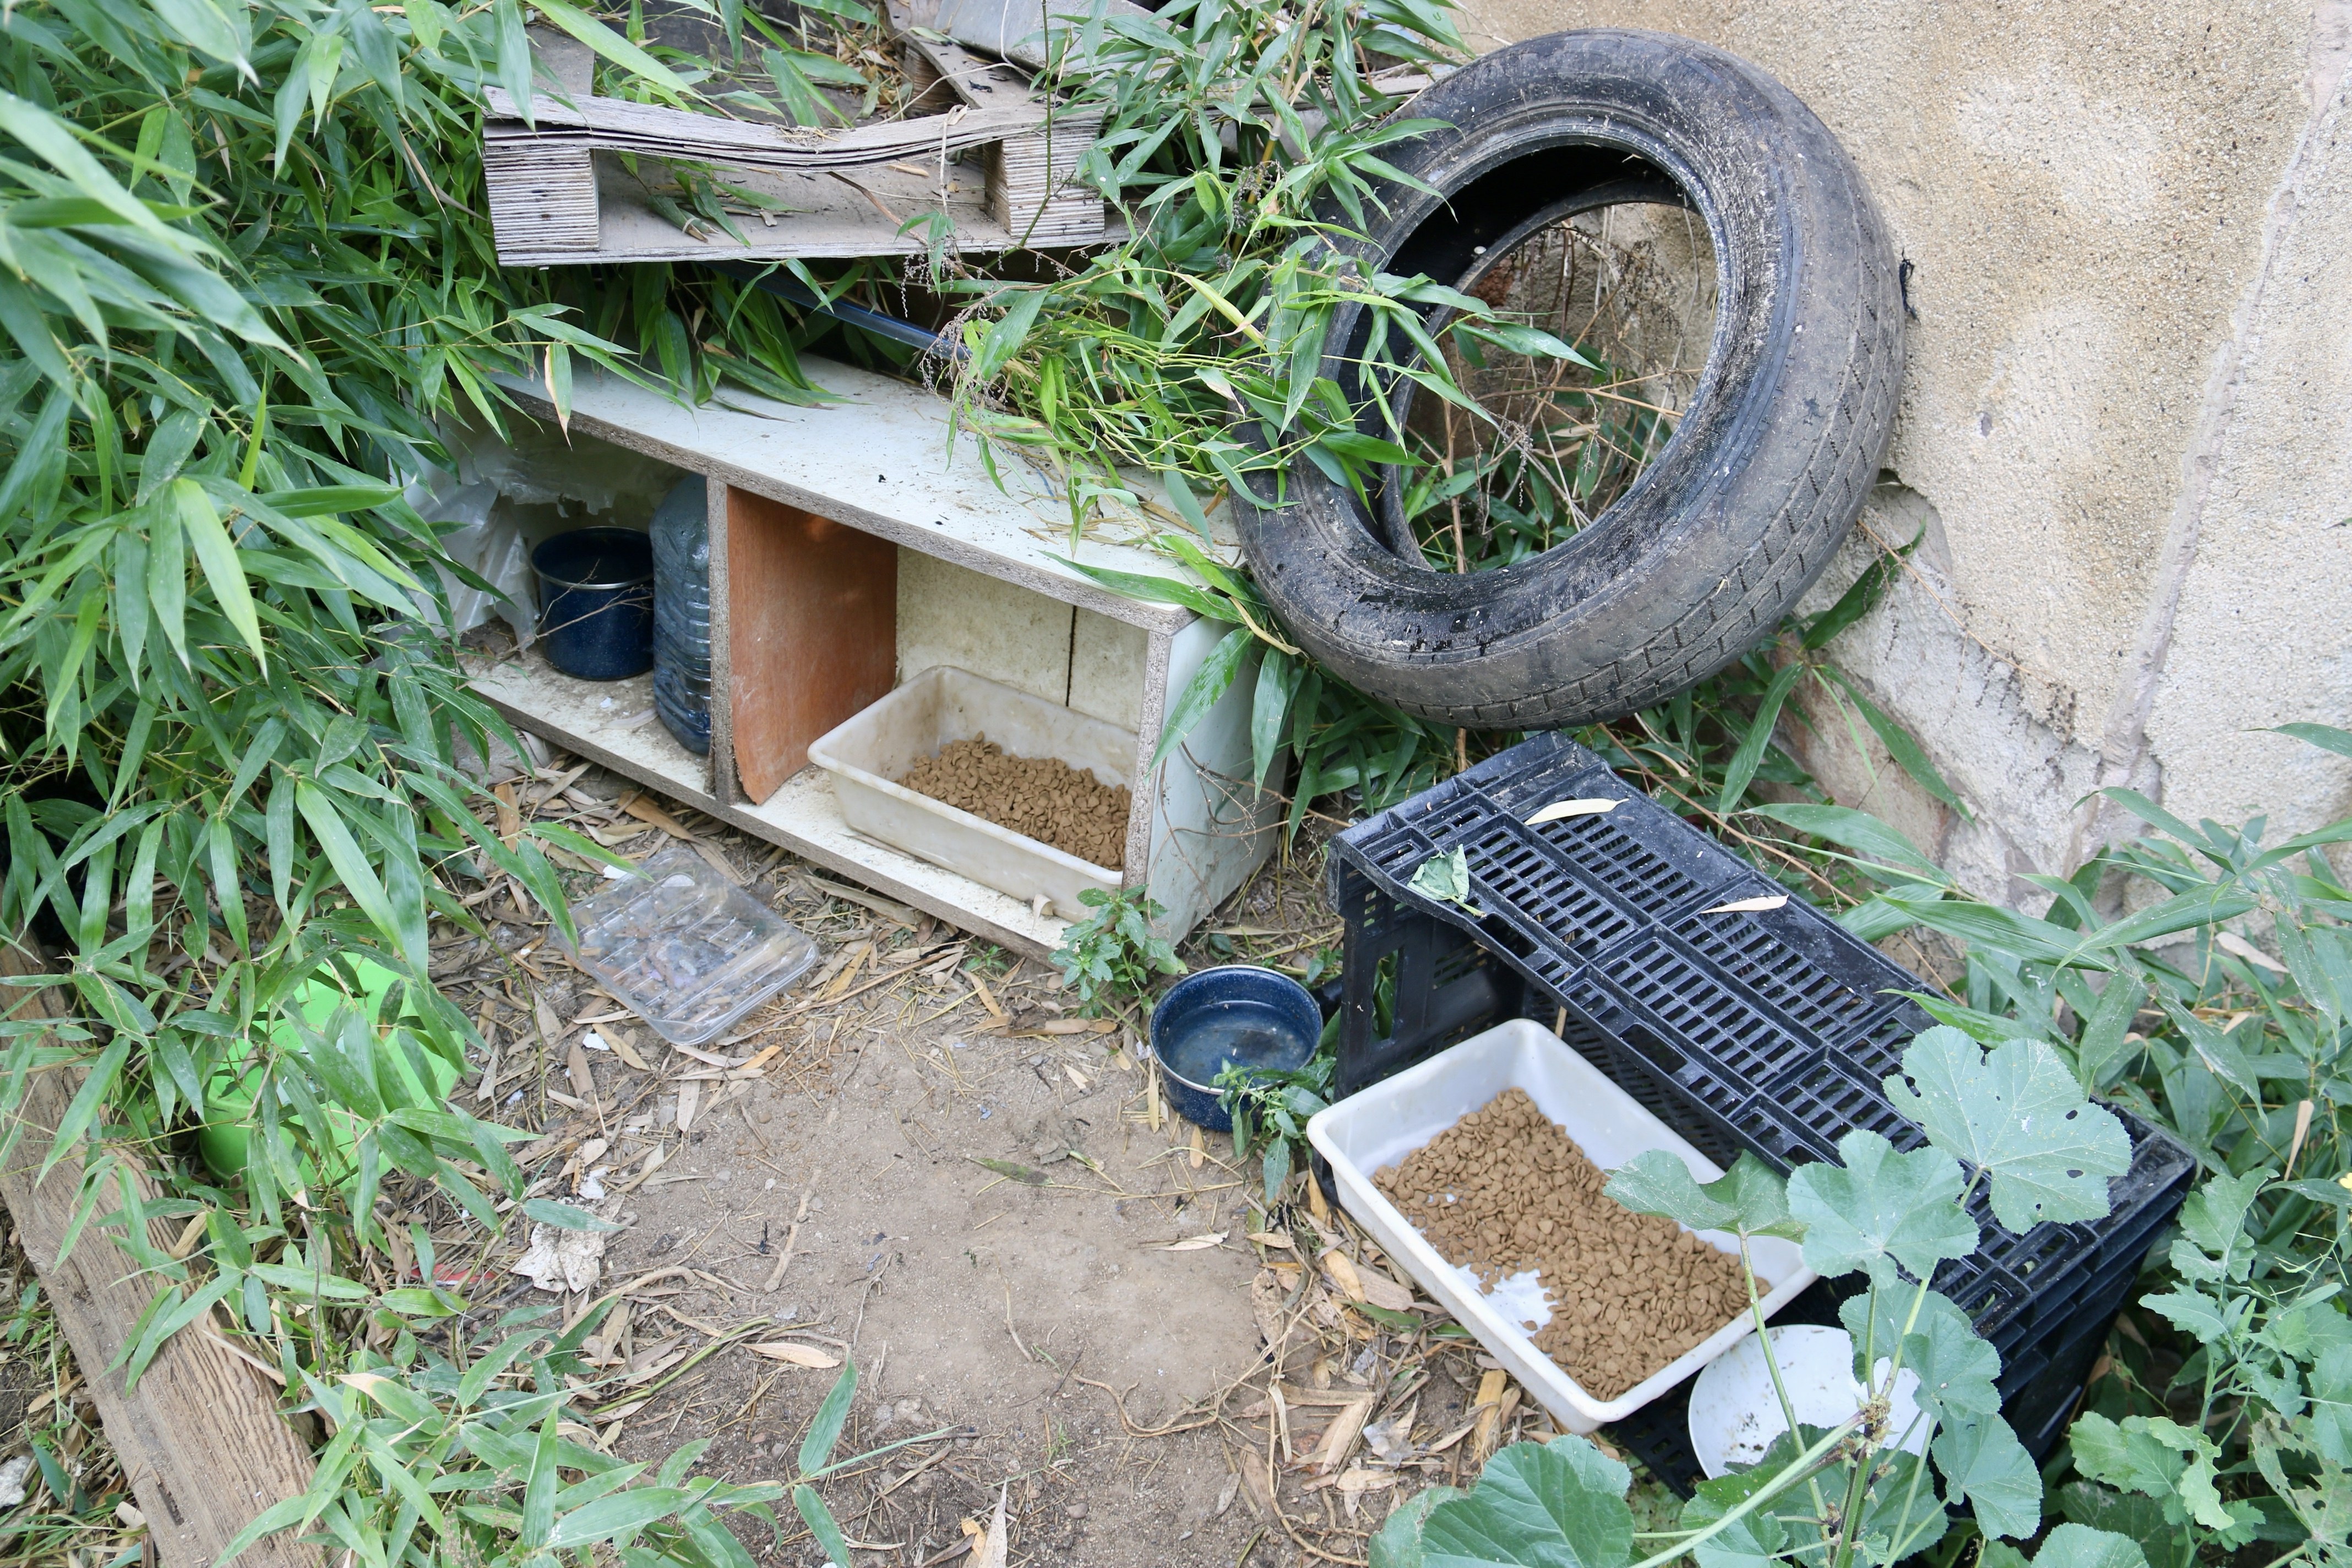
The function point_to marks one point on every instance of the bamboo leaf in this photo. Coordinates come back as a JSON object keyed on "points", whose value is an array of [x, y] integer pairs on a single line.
{"points": [[620, 1513], [817, 1447], [359, 877], [193, 508], [1750, 755], [84, 1107], [1279, 675], [821, 1522], [1906, 751], [1208, 684], [613, 47], [539, 1485]]}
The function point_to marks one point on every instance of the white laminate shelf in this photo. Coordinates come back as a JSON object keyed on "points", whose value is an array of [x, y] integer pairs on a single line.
{"points": [[888, 458], [605, 721]]}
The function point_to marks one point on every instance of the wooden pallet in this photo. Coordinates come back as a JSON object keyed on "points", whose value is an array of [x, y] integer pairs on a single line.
{"points": [[563, 191]]}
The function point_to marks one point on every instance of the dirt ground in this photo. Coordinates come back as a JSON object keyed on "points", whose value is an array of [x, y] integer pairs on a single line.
{"points": [[1086, 1323]]}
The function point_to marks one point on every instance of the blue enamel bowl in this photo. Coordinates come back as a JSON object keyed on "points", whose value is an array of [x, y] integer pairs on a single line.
{"points": [[1235, 1015]]}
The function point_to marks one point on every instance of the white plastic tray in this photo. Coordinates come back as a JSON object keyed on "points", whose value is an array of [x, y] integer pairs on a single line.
{"points": [[867, 754], [1380, 1125]]}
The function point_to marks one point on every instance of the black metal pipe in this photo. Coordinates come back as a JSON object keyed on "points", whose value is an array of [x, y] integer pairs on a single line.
{"points": [[786, 287]]}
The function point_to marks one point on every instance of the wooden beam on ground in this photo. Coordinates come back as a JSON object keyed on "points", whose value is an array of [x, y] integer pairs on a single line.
{"points": [[200, 1438]]}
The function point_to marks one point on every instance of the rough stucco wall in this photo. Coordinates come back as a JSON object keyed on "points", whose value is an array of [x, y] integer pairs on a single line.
{"points": [[2101, 429], [2261, 631]]}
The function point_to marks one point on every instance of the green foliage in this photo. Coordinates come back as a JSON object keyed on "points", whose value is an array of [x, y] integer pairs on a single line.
{"points": [[478, 1464], [2315, 1485], [2219, 1422], [1552, 1505], [1219, 299], [246, 280], [1749, 1199], [1270, 1109], [475, 1461], [1876, 1209], [1216, 307], [2156, 1457], [2017, 1115], [1109, 959], [2069, 1546]]}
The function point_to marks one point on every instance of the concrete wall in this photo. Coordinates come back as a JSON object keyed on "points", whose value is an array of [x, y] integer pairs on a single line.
{"points": [[2126, 424]]}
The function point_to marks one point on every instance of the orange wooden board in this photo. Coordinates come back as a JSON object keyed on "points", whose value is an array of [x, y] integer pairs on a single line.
{"points": [[813, 614]]}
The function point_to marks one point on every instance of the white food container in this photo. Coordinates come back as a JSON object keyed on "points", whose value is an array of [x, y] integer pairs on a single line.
{"points": [[1380, 1125], [866, 753]]}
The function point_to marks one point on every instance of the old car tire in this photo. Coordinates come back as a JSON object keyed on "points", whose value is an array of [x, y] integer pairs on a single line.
{"points": [[1774, 456]]}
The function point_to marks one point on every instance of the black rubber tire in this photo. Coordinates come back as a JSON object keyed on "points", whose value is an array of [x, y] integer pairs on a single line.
{"points": [[1772, 459]]}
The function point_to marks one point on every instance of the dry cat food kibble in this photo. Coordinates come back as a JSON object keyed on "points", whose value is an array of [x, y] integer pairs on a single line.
{"points": [[1504, 1189], [1043, 797]]}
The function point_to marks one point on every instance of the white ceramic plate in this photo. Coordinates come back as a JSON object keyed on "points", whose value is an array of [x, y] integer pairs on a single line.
{"points": [[1735, 1413]]}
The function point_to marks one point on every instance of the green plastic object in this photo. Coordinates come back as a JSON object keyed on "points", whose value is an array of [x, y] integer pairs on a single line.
{"points": [[225, 1139]]}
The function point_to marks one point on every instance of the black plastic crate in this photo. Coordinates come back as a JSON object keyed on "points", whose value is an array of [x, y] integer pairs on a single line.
{"points": [[1771, 1031]]}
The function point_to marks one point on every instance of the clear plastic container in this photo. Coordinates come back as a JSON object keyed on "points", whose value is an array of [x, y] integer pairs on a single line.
{"points": [[681, 531], [686, 950]]}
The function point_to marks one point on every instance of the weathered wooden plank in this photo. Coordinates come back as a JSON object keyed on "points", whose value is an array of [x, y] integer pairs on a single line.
{"points": [[546, 201], [560, 194], [200, 1437], [651, 130]]}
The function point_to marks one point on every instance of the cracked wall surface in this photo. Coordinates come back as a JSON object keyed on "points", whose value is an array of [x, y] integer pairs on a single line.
{"points": [[2127, 421]]}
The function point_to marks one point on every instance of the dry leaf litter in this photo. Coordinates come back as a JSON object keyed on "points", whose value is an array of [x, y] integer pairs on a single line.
{"points": [[1043, 797], [1504, 1190]]}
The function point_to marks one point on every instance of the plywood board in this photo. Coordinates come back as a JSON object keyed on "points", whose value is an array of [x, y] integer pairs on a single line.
{"points": [[885, 459], [608, 722], [951, 615], [811, 610]]}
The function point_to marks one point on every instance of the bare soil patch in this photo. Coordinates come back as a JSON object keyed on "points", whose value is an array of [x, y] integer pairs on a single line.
{"points": [[921, 1160]]}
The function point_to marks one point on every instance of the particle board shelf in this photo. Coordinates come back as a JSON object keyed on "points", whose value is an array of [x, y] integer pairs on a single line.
{"points": [[609, 722], [856, 544], [881, 460]]}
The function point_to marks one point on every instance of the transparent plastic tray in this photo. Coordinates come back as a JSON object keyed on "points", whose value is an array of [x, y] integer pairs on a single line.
{"points": [[686, 950]]}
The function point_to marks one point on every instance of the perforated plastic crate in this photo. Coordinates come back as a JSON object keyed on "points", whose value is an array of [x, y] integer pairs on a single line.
{"points": [[1768, 1031]]}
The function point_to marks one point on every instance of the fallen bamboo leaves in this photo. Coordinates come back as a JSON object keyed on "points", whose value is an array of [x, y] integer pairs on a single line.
{"points": [[1560, 809], [639, 805], [989, 1543], [792, 1354], [1025, 1175], [1196, 1243], [1749, 906]]}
